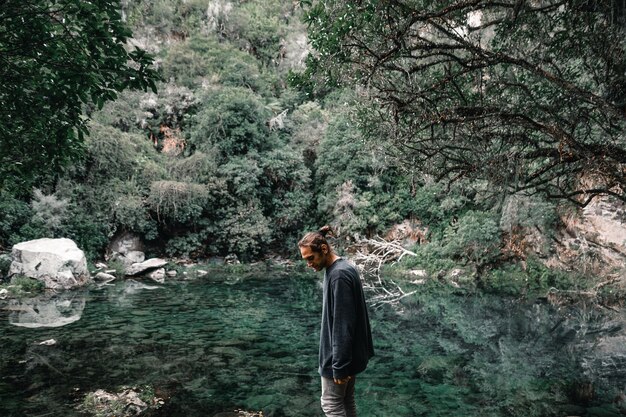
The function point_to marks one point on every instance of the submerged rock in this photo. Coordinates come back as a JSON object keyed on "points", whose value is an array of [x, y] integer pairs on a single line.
{"points": [[129, 402]]}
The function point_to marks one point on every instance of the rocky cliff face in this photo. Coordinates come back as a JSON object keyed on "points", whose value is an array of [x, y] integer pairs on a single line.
{"points": [[594, 239]]}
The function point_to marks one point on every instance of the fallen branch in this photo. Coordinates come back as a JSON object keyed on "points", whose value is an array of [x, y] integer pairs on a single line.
{"points": [[371, 255]]}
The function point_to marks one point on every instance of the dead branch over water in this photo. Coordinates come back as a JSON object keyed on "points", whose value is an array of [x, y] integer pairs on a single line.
{"points": [[370, 256]]}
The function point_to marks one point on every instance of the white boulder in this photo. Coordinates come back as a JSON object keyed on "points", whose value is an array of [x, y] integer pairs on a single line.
{"points": [[58, 263]]}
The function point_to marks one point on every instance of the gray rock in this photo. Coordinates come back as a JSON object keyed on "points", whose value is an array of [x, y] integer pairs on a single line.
{"points": [[171, 273], [118, 257], [157, 275], [135, 256], [103, 277], [231, 259], [145, 266], [58, 263], [125, 243]]}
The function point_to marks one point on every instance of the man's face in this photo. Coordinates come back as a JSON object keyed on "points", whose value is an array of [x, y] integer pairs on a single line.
{"points": [[315, 260]]}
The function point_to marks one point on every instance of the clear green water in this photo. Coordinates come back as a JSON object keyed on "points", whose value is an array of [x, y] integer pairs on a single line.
{"points": [[221, 343]]}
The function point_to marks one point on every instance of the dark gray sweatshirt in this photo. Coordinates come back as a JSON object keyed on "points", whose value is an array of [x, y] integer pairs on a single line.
{"points": [[345, 338]]}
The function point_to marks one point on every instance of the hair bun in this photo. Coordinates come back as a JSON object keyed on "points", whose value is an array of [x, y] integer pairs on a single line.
{"points": [[326, 231]]}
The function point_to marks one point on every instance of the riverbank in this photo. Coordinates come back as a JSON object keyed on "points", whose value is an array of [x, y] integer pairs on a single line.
{"points": [[391, 283]]}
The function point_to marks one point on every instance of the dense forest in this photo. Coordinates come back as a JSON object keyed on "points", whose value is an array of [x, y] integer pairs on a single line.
{"points": [[214, 127]]}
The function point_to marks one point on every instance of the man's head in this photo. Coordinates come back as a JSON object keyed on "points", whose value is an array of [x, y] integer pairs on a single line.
{"points": [[316, 250]]}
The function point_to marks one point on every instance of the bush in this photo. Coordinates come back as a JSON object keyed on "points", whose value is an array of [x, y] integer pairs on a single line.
{"points": [[14, 214], [507, 280], [430, 257], [526, 211], [112, 153], [124, 114], [119, 266], [90, 232], [22, 286], [179, 202], [200, 60], [5, 264], [476, 237], [49, 211], [242, 230], [541, 277], [232, 121], [188, 245], [535, 278]]}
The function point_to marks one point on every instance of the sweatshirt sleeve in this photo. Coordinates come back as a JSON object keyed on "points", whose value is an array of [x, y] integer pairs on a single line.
{"points": [[344, 321]]}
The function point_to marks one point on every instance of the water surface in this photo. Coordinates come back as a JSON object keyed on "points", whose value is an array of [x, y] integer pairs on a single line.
{"points": [[226, 342]]}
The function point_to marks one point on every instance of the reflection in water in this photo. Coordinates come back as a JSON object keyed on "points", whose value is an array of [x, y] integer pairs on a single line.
{"points": [[216, 344], [48, 310], [124, 295]]}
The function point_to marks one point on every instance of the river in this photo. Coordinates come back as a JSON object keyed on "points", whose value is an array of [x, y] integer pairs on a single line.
{"points": [[231, 341]]}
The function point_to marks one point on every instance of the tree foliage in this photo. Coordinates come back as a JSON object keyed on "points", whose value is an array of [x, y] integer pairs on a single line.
{"points": [[529, 94], [226, 158], [55, 58]]}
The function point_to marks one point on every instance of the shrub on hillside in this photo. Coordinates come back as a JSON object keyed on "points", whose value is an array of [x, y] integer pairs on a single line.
{"points": [[475, 237], [14, 214]]}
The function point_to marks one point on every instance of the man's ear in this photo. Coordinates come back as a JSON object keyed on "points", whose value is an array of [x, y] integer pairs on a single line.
{"points": [[324, 248]]}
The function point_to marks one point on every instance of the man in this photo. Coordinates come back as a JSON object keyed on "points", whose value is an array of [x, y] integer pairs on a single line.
{"points": [[345, 338]]}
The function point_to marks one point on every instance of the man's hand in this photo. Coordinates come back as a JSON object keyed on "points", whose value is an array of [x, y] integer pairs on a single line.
{"points": [[342, 381]]}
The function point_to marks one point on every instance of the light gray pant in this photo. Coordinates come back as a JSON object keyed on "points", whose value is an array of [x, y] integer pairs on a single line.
{"points": [[338, 399]]}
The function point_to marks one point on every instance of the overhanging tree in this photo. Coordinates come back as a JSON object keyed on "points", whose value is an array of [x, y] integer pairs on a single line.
{"points": [[527, 94], [56, 57]]}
